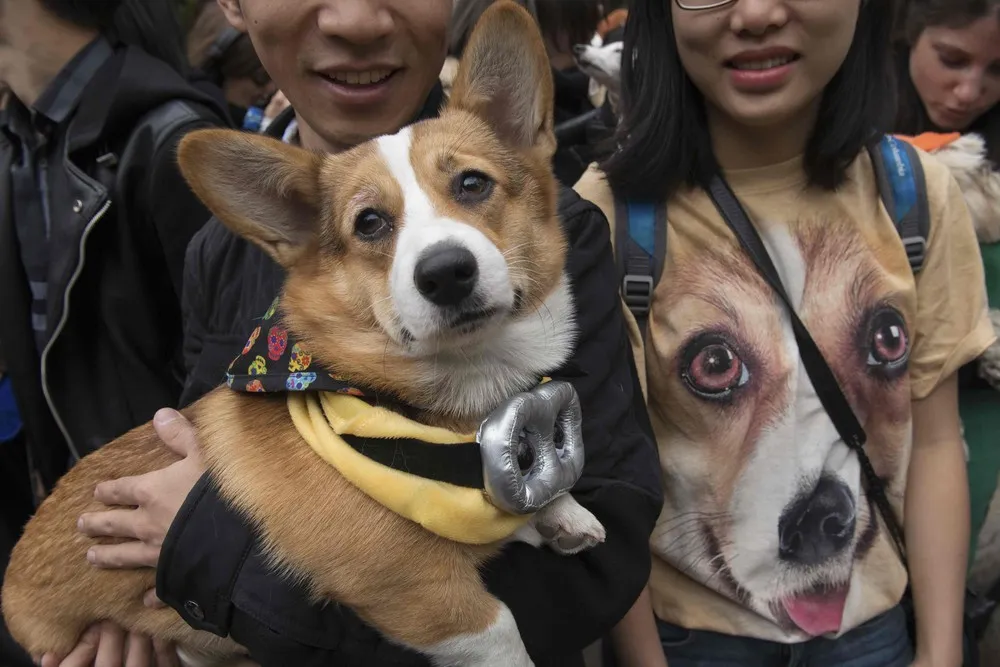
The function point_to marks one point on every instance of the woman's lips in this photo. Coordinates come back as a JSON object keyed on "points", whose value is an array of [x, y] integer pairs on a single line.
{"points": [[761, 72]]}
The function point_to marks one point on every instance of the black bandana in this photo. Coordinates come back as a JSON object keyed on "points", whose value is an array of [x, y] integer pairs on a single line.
{"points": [[273, 362]]}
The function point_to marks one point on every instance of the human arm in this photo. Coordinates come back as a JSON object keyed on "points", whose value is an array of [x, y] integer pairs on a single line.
{"points": [[636, 641], [937, 526], [951, 329]]}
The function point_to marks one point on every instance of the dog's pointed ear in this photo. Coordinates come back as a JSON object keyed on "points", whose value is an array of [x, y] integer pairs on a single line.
{"points": [[505, 78], [262, 189]]}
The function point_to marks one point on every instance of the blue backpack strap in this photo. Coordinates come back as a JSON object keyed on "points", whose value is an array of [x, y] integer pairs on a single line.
{"points": [[640, 249], [903, 189]]}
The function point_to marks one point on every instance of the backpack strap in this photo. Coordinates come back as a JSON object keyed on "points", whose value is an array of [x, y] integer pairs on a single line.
{"points": [[640, 250], [903, 189], [160, 123]]}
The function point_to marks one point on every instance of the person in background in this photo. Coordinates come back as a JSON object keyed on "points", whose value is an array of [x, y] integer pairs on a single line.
{"points": [[92, 238], [948, 69], [227, 57], [562, 604], [770, 549]]}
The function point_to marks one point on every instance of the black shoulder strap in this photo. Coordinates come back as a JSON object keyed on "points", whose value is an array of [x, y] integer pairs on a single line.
{"points": [[824, 381], [640, 251], [160, 123], [155, 128], [903, 189]]}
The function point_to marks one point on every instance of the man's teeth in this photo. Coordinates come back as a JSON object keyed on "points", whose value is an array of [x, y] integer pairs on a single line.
{"points": [[764, 64], [361, 78]]}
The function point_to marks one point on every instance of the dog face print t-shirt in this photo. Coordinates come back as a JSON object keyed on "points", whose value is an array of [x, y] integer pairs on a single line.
{"points": [[766, 530]]}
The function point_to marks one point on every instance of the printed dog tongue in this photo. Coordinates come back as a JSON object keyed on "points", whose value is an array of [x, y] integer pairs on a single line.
{"points": [[818, 614]]}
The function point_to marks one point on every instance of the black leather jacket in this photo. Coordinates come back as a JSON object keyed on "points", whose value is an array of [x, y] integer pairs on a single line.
{"points": [[116, 266]]}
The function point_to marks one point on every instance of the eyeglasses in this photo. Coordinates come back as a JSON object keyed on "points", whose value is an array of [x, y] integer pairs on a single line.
{"points": [[695, 5]]}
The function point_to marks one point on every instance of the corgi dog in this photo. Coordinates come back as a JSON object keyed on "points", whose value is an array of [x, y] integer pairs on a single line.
{"points": [[427, 265], [603, 64]]}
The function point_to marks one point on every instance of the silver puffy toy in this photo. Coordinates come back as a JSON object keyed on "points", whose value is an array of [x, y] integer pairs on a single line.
{"points": [[532, 448]]}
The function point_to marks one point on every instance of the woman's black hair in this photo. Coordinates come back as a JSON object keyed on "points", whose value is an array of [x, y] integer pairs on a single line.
{"points": [[918, 15], [152, 25], [663, 139]]}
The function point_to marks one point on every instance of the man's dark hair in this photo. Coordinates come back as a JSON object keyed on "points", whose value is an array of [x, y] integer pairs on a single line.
{"points": [[152, 25], [663, 139]]}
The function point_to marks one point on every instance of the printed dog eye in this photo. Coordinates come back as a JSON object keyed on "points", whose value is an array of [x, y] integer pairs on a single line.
{"points": [[887, 344], [712, 369], [370, 225], [472, 187]]}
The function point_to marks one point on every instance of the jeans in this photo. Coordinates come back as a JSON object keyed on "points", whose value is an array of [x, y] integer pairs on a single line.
{"points": [[882, 642]]}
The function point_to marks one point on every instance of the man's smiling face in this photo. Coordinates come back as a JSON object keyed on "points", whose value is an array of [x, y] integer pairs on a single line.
{"points": [[352, 69]]}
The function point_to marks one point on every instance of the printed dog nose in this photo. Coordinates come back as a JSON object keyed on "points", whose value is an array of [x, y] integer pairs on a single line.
{"points": [[446, 274], [579, 49], [818, 526]]}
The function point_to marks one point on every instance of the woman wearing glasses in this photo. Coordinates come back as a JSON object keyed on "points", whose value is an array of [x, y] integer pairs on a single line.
{"points": [[777, 545]]}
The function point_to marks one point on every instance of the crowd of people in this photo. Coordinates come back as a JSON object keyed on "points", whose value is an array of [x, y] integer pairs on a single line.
{"points": [[741, 526]]}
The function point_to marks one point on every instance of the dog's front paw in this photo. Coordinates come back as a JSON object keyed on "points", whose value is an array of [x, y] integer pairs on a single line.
{"points": [[567, 527]]}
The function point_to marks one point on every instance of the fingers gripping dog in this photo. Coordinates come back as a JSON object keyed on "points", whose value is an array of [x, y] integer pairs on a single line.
{"points": [[425, 270]]}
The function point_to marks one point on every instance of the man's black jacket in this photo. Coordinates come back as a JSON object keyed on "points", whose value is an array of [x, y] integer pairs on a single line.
{"points": [[120, 232], [213, 571]]}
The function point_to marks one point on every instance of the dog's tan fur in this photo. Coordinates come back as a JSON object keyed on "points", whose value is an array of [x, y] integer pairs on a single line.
{"points": [[314, 524]]}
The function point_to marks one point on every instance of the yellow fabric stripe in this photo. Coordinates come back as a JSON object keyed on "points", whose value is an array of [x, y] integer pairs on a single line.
{"points": [[453, 512]]}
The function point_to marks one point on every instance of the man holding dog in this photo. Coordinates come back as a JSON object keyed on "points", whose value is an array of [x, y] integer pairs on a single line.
{"points": [[210, 566]]}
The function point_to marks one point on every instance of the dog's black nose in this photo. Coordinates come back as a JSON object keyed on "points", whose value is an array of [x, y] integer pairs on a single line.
{"points": [[446, 274], [579, 49], [817, 526]]}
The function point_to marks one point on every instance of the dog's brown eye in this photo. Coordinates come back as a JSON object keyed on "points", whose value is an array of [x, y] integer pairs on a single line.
{"points": [[371, 225], [472, 187]]}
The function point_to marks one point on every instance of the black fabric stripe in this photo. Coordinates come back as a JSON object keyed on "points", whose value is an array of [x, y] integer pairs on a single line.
{"points": [[461, 464]]}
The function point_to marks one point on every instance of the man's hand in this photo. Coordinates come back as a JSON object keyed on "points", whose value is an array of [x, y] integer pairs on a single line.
{"points": [[107, 645], [156, 497]]}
